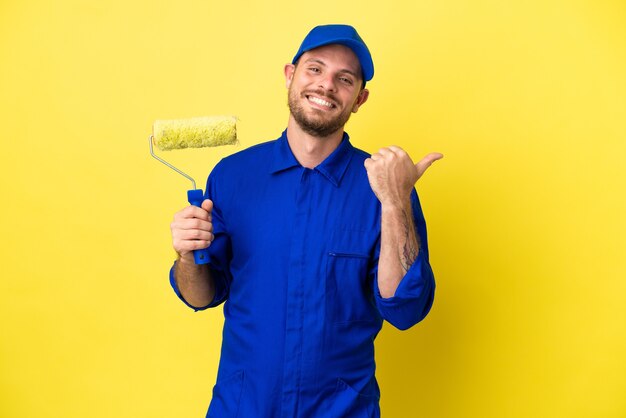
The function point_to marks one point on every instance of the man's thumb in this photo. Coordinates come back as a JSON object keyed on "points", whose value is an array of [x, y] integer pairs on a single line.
{"points": [[427, 162], [207, 205]]}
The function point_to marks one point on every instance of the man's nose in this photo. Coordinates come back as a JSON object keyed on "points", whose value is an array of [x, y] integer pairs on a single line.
{"points": [[327, 82]]}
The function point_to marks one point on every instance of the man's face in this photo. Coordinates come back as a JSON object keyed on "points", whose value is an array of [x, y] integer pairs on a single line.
{"points": [[324, 89]]}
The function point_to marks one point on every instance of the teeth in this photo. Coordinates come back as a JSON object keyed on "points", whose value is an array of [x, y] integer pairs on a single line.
{"points": [[320, 101]]}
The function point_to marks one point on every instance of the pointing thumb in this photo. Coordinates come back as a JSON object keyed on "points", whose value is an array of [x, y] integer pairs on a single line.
{"points": [[427, 162]]}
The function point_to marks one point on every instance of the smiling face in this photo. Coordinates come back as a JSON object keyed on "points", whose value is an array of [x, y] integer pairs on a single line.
{"points": [[324, 89]]}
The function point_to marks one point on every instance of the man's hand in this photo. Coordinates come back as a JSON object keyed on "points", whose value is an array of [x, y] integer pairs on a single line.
{"points": [[192, 229], [392, 174]]}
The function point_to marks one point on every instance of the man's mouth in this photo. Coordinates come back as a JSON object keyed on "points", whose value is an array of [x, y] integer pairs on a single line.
{"points": [[320, 102]]}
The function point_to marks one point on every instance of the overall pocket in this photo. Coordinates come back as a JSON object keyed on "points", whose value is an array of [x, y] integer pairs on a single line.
{"points": [[226, 397], [348, 403], [349, 294]]}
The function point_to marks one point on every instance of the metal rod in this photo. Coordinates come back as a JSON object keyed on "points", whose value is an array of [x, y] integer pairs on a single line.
{"points": [[168, 164]]}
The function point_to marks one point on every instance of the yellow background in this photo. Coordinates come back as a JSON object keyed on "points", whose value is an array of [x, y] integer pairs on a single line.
{"points": [[527, 100]]}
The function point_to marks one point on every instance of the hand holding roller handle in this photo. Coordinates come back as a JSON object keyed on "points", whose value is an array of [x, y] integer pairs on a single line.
{"points": [[192, 228]]}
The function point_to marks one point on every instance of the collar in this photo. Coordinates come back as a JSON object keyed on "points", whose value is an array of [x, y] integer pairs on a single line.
{"points": [[333, 167], [282, 157]]}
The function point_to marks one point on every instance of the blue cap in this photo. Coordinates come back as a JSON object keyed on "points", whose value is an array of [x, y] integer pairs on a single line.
{"points": [[343, 35]]}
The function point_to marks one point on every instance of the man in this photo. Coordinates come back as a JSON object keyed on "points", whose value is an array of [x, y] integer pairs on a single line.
{"points": [[312, 245]]}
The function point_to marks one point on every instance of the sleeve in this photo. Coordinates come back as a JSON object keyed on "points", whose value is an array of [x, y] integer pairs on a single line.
{"points": [[220, 252], [416, 292]]}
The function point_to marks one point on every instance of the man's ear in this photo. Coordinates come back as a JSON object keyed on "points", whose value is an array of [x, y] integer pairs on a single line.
{"points": [[289, 70], [361, 98]]}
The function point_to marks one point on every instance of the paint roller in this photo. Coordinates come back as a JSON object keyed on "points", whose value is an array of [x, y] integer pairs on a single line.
{"points": [[200, 132]]}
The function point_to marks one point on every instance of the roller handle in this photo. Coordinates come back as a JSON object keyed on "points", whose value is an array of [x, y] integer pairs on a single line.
{"points": [[195, 197]]}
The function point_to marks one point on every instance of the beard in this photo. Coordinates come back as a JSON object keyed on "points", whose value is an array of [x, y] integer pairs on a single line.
{"points": [[316, 125]]}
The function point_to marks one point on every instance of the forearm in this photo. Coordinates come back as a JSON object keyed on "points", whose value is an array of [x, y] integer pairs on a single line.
{"points": [[194, 281], [399, 246]]}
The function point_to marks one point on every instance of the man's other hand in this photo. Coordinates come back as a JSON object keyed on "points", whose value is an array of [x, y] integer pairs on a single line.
{"points": [[392, 174]]}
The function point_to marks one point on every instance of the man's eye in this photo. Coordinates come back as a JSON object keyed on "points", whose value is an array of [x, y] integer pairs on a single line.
{"points": [[314, 69], [346, 80]]}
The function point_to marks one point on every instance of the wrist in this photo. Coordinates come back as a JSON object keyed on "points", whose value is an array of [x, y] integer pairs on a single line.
{"points": [[186, 258], [395, 206]]}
